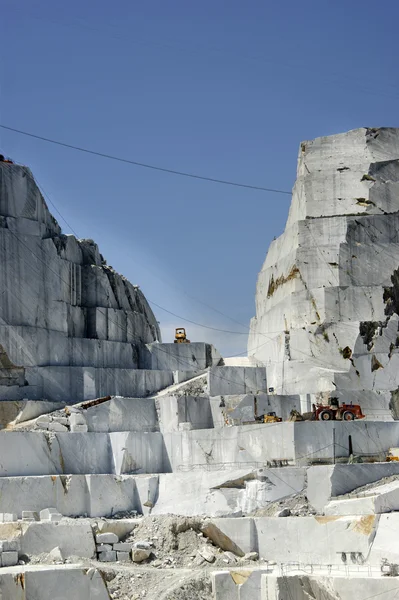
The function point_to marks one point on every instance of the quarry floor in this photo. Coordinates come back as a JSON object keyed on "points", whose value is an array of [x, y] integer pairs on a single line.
{"points": [[176, 569]]}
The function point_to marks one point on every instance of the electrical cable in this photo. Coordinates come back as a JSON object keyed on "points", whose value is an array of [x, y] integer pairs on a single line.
{"points": [[267, 336], [195, 322], [221, 377], [317, 246], [172, 313], [228, 331], [300, 457], [41, 188], [179, 359], [145, 165]]}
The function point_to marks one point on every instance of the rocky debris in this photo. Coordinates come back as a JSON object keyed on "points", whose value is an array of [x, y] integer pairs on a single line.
{"points": [[126, 514], [193, 388], [296, 505], [229, 558], [55, 556], [158, 585], [250, 556], [207, 554], [169, 539], [139, 555], [177, 542]]}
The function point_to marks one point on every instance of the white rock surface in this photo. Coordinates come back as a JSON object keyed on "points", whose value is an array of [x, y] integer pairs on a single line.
{"points": [[376, 500], [52, 582], [195, 356], [304, 539], [69, 308], [9, 559], [236, 380], [327, 481], [330, 281], [72, 538]]}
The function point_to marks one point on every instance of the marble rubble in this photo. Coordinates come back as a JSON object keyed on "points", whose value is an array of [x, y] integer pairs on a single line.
{"points": [[106, 432]]}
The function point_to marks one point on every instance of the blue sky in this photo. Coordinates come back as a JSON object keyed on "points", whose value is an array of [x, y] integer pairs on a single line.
{"points": [[225, 89]]}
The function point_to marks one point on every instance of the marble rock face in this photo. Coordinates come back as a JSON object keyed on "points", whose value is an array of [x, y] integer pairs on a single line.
{"points": [[327, 297], [61, 306]]}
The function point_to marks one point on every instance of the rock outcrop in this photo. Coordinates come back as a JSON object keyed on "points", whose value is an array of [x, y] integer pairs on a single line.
{"points": [[327, 298], [70, 326]]}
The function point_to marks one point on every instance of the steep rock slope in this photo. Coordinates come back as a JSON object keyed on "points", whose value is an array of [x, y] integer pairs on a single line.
{"points": [[327, 297], [66, 318]]}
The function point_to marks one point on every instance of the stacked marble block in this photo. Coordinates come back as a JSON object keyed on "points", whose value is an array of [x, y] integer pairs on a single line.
{"points": [[9, 553], [71, 327], [110, 549], [326, 310], [8, 548], [47, 515], [8, 517]]}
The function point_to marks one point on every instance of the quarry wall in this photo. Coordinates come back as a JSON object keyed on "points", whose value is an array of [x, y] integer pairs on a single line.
{"points": [[326, 294], [71, 316]]}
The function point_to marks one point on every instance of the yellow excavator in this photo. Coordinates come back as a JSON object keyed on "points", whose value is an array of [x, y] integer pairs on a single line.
{"points": [[271, 417], [393, 455], [180, 336]]}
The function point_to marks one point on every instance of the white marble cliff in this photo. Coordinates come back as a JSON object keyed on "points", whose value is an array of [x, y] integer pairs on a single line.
{"points": [[70, 326], [327, 297]]}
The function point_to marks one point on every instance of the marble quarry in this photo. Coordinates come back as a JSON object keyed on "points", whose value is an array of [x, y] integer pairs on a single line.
{"points": [[136, 469]]}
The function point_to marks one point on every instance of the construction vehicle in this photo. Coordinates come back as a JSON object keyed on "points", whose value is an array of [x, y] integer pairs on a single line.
{"points": [[389, 569], [271, 417], [295, 415], [393, 455], [180, 336], [329, 412], [5, 160], [336, 412]]}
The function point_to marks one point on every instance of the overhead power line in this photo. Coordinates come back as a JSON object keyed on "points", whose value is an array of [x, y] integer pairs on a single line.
{"points": [[195, 322], [145, 165], [181, 360]]}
